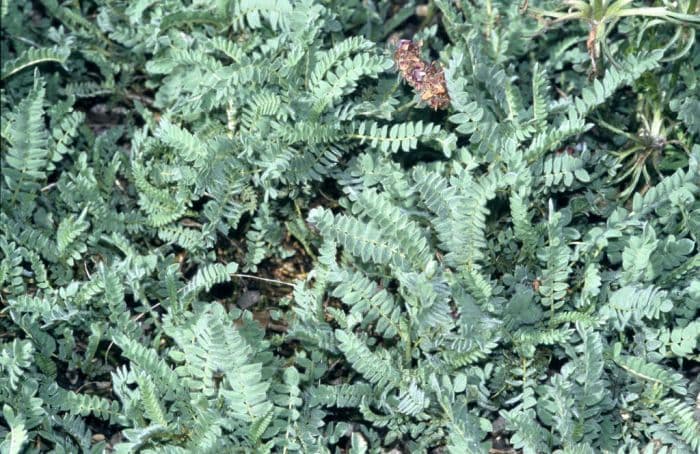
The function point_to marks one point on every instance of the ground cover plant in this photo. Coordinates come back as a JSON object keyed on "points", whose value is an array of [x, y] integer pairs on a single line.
{"points": [[350, 226]]}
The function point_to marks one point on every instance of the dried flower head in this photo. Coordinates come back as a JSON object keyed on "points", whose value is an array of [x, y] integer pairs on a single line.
{"points": [[407, 58], [428, 79], [434, 90]]}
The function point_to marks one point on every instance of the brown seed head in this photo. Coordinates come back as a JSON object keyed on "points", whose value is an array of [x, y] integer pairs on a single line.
{"points": [[428, 79]]}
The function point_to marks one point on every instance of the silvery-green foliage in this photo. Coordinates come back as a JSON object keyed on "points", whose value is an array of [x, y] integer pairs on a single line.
{"points": [[471, 281]]}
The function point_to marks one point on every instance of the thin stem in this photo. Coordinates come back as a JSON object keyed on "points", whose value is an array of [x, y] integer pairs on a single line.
{"points": [[616, 130], [408, 105], [274, 281], [658, 11], [622, 155]]}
